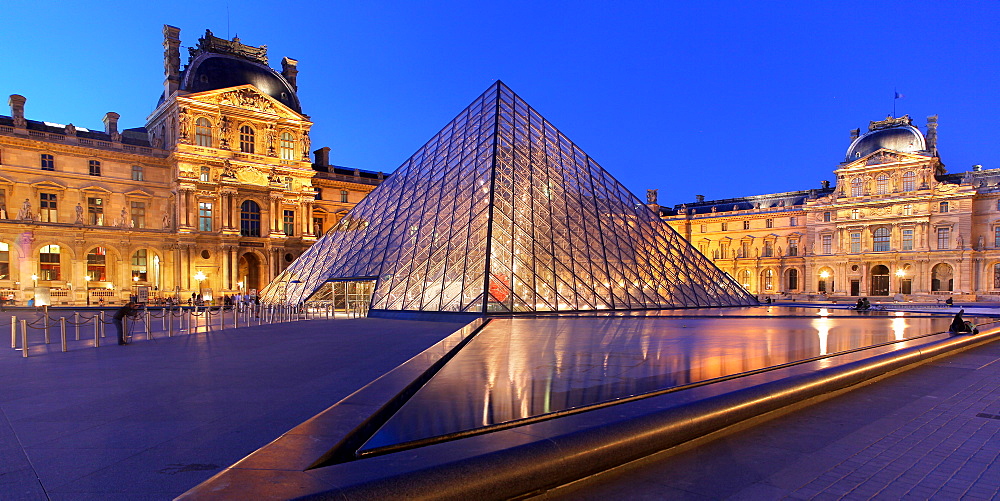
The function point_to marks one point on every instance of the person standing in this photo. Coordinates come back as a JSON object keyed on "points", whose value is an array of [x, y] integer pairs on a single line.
{"points": [[130, 309]]}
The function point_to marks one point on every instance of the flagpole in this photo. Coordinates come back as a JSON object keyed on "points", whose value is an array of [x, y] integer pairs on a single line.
{"points": [[894, 94]]}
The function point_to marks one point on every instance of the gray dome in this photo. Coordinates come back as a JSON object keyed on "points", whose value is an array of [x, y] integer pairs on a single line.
{"points": [[906, 138], [210, 71]]}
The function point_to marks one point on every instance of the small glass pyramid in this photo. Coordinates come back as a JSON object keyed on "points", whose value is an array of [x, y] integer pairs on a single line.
{"points": [[500, 212]]}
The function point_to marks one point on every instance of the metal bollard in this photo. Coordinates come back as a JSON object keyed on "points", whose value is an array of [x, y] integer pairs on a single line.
{"points": [[164, 319], [13, 331], [170, 322], [62, 332], [97, 330], [76, 324], [24, 338], [46, 327], [101, 323], [149, 334]]}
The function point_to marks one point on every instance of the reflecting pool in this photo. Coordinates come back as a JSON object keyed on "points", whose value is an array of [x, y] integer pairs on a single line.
{"points": [[519, 368]]}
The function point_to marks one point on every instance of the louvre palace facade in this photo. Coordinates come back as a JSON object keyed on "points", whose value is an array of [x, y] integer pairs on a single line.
{"points": [[217, 193], [895, 224]]}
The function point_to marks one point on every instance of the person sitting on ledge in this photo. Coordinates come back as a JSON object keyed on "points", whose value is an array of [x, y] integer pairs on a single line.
{"points": [[961, 326], [949, 302], [863, 304]]}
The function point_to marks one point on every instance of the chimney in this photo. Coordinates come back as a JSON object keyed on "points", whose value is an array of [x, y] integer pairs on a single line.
{"points": [[16, 103], [932, 134], [855, 133], [323, 156], [171, 59], [825, 184], [700, 198], [111, 123], [290, 70]]}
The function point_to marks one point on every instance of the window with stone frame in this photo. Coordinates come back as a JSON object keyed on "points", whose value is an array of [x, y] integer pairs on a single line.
{"points": [[343, 196], [856, 242], [250, 219], [768, 250], [769, 223], [139, 261], [97, 264], [725, 227], [744, 249], [95, 211], [138, 214], [907, 240], [247, 139], [287, 146], [48, 262], [855, 214], [205, 175], [793, 279], [47, 207], [857, 187], [827, 244], [882, 184], [4, 261], [827, 216], [204, 216], [943, 238], [137, 173], [768, 278], [910, 181], [318, 225], [880, 240], [288, 222], [203, 132], [943, 207], [746, 225], [793, 247], [48, 162], [94, 167], [908, 210], [793, 221]]}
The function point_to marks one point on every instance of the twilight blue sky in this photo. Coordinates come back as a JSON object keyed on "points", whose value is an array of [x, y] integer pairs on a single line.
{"points": [[716, 98]]}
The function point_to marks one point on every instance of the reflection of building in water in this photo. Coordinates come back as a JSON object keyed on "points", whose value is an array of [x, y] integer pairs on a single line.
{"points": [[218, 181], [894, 224], [521, 368], [500, 212]]}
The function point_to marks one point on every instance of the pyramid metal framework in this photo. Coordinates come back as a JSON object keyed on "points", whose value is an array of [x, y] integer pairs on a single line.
{"points": [[500, 212]]}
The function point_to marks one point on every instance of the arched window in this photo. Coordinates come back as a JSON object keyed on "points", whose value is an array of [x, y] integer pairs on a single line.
{"points": [[745, 279], [767, 279], [250, 219], [909, 181], [857, 187], [247, 139], [203, 132], [942, 277], [97, 264], [996, 276], [48, 263], [825, 283], [287, 146], [880, 240], [882, 184], [793, 279], [139, 260]]}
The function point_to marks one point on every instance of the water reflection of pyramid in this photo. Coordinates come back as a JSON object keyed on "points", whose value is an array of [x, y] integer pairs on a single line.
{"points": [[500, 212]]}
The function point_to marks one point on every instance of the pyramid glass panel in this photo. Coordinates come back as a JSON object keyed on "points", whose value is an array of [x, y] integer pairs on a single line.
{"points": [[500, 212]]}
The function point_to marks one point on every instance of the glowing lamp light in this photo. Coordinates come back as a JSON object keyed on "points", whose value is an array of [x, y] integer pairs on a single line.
{"points": [[135, 279], [900, 273], [110, 286], [199, 276], [824, 274], [34, 277]]}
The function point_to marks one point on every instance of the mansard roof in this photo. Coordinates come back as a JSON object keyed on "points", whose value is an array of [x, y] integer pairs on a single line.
{"points": [[136, 136], [770, 201]]}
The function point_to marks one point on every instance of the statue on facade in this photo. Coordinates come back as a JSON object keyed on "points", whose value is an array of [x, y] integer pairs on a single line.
{"points": [[305, 145], [123, 221], [79, 214], [25, 212], [185, 125], [982, 243], [651, 197], [224, 133], [271, 136], [70, 130], [166, 217], [227, 169], [959, 242]]}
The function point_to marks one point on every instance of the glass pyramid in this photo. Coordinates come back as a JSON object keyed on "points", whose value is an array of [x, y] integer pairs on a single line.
{"points": [[501, 212]]}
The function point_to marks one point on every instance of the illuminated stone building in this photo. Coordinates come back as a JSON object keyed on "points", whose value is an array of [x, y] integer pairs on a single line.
{"points": [[217, 192], [896, 224]]}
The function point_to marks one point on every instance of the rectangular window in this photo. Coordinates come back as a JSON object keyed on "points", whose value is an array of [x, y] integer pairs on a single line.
{"points": [[746, 225], [725, 226], [206, 175], [768, 249], [138, 214], [317, 225], [996, 237], [827, 244], [319, 193], [4, 261], [704, 228], [793, 221], [343, 196], [48, 263], [288, 221], [793, 247], [724, 251], [745, 249], [855, 214], [944, 235], [826, 217], [944, 206], [907, 210], [47, 208], [139, 260], [855, 243], [95, 167], [137, 174], [769, 223], [907, 240], [204, 216], [95, 211], [48, 162]]}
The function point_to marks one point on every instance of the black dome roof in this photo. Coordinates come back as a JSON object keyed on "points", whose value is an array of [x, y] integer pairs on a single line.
{"points": [[210, 71], [906, 139]]}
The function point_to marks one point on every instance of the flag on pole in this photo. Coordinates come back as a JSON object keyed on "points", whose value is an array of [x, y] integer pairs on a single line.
{"points": [[899, 96]]}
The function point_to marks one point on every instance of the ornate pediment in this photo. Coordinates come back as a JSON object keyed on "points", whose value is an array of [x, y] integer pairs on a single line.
{"points": [[251, 175], [246, 97], [884, 156]]}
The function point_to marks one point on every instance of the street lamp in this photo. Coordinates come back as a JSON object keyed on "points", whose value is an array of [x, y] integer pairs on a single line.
{"points": [[86, 281], [900, 273], [34, 279], [199, 277]]}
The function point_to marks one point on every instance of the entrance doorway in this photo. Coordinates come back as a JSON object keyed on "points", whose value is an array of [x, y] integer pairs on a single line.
{"points": [[249, 271], [880, 281], [346, 295], [855, 287]]}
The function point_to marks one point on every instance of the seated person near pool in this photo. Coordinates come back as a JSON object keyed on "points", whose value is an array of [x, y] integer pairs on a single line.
{"points": [[959, 325]]}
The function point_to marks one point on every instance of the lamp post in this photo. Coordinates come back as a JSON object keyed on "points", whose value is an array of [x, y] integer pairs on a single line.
{"points": [[86, 281], [34, 281], [199, 277]]}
